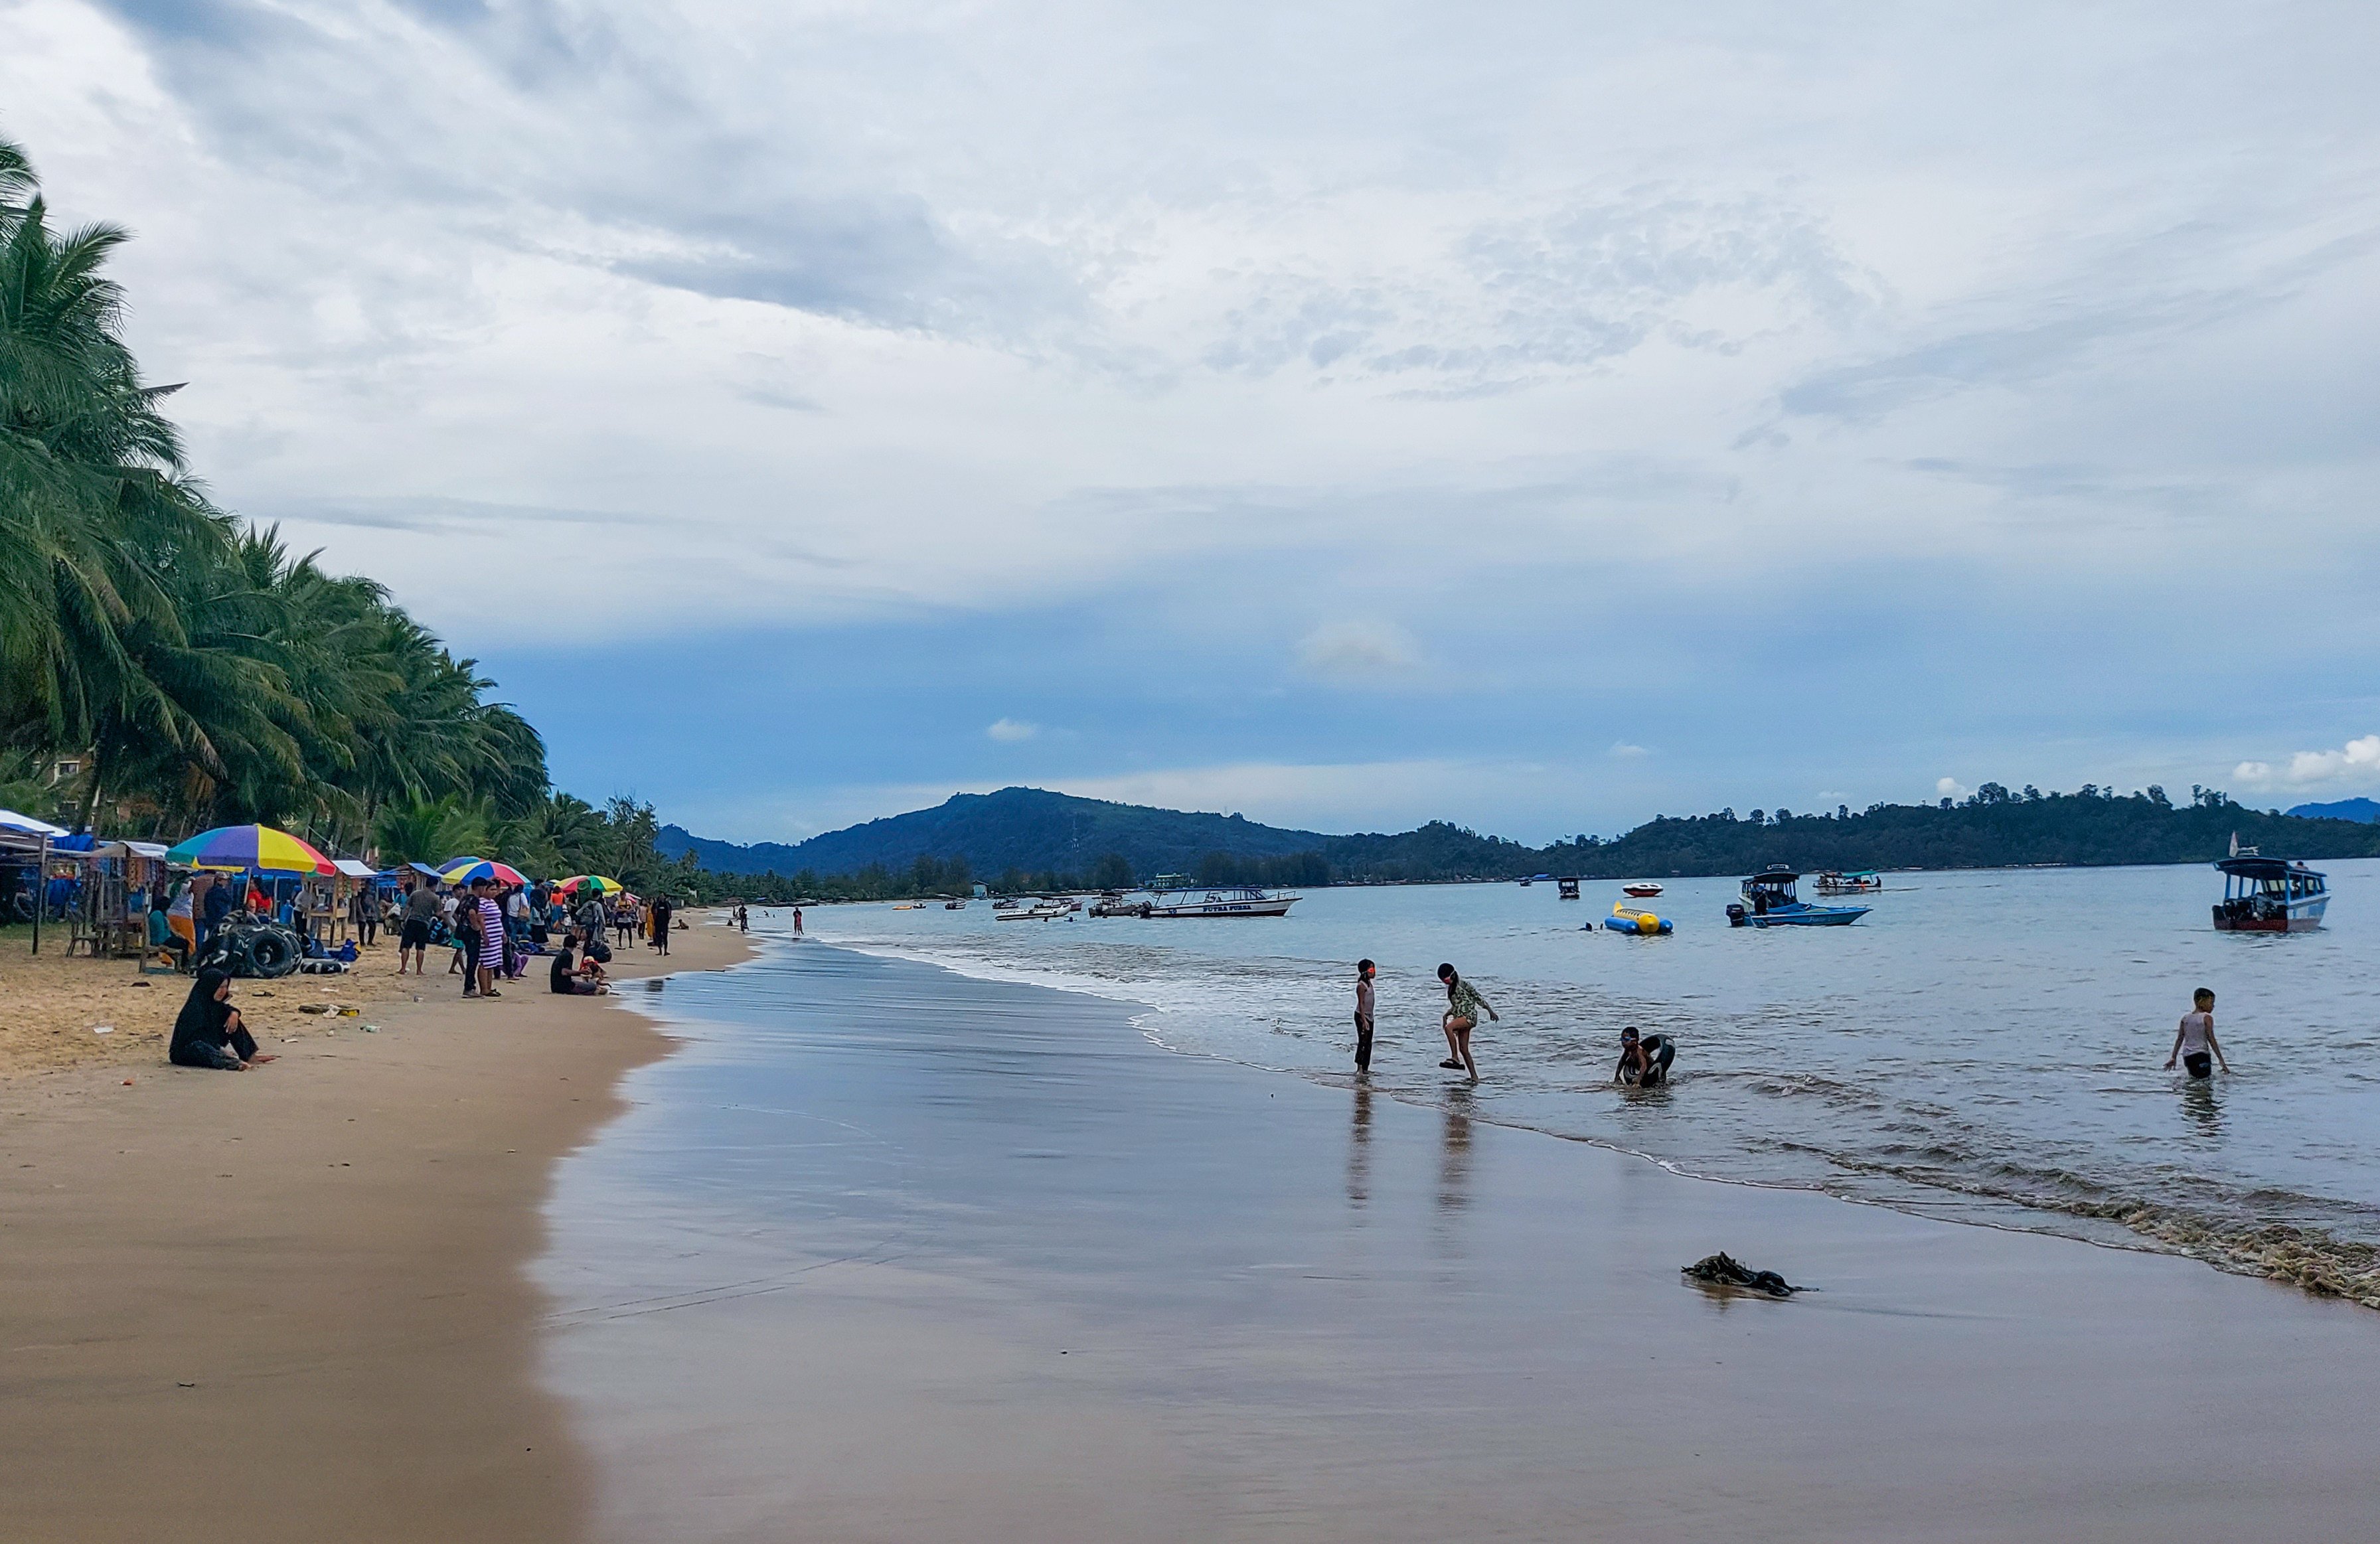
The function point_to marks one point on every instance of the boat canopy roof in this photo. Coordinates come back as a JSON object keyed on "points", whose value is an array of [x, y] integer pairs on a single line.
{"points": [[1774, 872], [2263, 867]]}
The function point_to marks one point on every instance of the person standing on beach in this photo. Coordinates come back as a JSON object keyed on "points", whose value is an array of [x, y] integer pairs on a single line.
{"points": [[491, 924], [1464, 1005], [421, 911], [2194, 1041], [798, 919], [742, 918], [1365, 970], [662, 909]]}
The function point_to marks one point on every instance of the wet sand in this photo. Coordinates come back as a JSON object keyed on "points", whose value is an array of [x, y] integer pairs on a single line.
{"points": [[886, 1254], [289, 1303]]}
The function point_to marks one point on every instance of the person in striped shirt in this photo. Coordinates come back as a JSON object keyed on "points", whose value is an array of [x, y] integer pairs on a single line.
{"points": [[492, 935]]}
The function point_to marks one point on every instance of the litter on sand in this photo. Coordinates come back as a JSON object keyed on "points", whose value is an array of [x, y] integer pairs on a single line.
{"points": [[1727, 1270], [103, 1029]]}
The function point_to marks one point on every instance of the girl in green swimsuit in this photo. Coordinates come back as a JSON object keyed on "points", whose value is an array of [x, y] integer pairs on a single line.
{"points": [[1462, 1006]]}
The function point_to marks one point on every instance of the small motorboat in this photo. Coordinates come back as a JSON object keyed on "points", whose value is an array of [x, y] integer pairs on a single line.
{"points": [[1116, 903], [2269, 895], [1643, 890], [1857, 881], [1040, 911], [1636, 922], [1229, 901], [1567, 889], [954, 905], [1770, 901]]}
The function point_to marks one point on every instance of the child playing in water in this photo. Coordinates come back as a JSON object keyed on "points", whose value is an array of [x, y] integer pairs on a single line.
{"points": [[2196, 1039]]}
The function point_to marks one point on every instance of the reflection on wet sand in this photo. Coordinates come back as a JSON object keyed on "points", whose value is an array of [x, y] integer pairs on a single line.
{"points": [[1454, 1153], [1359, 1148]]}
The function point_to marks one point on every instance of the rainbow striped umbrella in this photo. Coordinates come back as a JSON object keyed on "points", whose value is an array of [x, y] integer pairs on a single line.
{"points": [[236, 848], [601, 884], [463, 870]]}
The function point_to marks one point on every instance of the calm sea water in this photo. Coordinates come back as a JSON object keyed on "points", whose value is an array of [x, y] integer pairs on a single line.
{"points": [[1985, 1045]]}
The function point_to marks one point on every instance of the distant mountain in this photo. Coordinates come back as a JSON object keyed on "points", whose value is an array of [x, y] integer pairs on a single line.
{"points": [[1022, 828], [1051, 839], [2344, 809]]}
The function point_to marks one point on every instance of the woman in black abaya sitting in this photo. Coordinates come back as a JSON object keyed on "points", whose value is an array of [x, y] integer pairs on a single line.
{"points": [[209, 1033]]}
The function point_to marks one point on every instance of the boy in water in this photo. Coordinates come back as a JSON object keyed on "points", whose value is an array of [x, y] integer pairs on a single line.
{"points": [[2196, 1039], [1644, 1063], [1364, 972]]}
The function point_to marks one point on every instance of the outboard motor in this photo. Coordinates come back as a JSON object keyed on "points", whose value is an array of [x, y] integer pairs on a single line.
{"points": [[1735, 913]]}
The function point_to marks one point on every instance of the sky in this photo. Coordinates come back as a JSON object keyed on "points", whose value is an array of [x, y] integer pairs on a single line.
{"points": [[1540, 417]]}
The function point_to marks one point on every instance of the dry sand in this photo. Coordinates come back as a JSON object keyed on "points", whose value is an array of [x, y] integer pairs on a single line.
{"points": [[289, 1303], [51, 1007]]}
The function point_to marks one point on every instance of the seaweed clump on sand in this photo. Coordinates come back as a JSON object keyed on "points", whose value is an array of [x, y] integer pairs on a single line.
{"points": [[1728, 1271]]}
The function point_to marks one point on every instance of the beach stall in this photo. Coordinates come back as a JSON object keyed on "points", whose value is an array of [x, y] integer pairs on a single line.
{"points": [[357, 884], [24, 836]]}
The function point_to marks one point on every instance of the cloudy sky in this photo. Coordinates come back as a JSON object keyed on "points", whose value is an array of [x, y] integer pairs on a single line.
{"points": [[1538, 416]]}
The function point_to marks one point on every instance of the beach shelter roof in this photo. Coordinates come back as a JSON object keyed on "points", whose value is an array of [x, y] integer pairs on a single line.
{"points": [[353, 869], [25, 826], [241, 847]]}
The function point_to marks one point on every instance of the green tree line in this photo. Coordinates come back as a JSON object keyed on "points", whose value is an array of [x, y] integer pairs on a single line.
{"points": [[195, 669]]}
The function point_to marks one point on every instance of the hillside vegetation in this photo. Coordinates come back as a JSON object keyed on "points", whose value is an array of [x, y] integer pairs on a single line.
{"points": [[1030, 839]]}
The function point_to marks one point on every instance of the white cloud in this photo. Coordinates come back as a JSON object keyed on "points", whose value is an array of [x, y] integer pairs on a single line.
{"points": [[1359, 653], [2359, 758], [1011, 730], [1950, 788], [1626, 752]]}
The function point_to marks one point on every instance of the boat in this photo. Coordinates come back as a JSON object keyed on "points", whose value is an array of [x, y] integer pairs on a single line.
{"points": [[1228, 901], [1854, 881], [954, 905], [1770, 901], [1568, 890], [1040, 911], [1643, 890], [1116, 903], [1006, 902], [1637, 922], [2269, 895]]}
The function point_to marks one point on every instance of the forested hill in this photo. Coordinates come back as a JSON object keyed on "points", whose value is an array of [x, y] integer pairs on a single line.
{"points": [[1031, 835], [1991, 828], [1027, 836]]}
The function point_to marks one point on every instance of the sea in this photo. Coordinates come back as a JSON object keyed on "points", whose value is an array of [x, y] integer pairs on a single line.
{"points": [[1986, 1046]]}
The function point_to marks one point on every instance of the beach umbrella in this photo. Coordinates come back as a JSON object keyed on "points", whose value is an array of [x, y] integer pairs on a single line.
{"points": [[463, 870], [235, 848], [26, 825], [599, 884]]}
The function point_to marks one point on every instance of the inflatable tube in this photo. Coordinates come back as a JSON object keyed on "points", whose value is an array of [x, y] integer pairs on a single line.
{"points": [[270, 952], [1639, 924]]}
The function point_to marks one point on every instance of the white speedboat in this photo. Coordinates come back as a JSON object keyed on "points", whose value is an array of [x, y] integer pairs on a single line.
{"points": [[1040, 911], [1226, 901], [1643, 890]]}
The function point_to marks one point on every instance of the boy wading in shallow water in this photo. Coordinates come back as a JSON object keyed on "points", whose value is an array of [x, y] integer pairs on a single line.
{"points": [[2194, 1040], [1364, 972], [1462, 1006]]}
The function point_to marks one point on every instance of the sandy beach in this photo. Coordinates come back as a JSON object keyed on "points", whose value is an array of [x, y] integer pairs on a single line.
{"points": [[289, 1303], [881, 1253]]}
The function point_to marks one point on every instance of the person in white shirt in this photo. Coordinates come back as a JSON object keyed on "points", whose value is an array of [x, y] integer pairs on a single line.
{"points": [[1365, 970], [2194, 1041]]}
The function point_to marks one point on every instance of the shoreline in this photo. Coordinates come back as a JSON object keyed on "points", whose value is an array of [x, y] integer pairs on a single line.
{"points": [[2243, 1230], [940, 1254], [265, 1306]]}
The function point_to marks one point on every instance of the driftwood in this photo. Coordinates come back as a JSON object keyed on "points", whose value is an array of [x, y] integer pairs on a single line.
{"points": [[1727, 1270]]}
